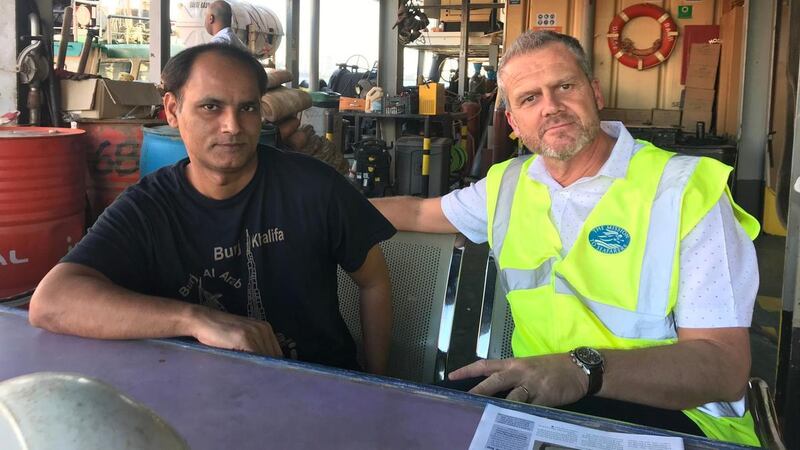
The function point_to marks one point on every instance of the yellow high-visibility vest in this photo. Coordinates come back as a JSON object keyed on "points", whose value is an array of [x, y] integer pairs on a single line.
{"points": [[617, 286]]}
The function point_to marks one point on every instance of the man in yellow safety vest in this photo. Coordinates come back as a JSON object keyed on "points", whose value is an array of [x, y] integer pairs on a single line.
{"points": [[630, 272]]}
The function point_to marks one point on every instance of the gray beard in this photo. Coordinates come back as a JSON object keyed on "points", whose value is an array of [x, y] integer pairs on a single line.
{"points": [[585, 136]]}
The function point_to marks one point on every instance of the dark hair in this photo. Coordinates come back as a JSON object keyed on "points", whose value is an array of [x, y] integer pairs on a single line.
{"points": [[179, 67]]}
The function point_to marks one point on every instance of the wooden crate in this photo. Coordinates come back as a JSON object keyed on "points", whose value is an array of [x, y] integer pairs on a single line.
{"points": [[454, 15]]}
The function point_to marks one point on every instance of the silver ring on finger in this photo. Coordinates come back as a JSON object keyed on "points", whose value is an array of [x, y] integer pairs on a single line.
{"points": [[527, 392]]}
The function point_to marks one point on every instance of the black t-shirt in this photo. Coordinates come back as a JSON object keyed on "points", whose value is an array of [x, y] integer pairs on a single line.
{"points": [[269, 252]]}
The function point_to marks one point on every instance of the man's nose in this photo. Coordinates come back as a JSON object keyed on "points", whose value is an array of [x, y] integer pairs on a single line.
{"points": [[551, 104], [231, 122]]}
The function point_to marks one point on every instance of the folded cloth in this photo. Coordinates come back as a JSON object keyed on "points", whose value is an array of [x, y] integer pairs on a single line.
{"points": [[304, 140], [281, 102], [297, 141], [276, 77], [287, 127]]}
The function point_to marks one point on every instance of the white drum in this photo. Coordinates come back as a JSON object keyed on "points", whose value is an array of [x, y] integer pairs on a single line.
{"points": [[268, 30]]}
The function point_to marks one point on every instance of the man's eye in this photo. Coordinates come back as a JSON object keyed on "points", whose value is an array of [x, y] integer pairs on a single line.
{"points": [[529, 99], [249, 108], [210, 107], [566, 87]]}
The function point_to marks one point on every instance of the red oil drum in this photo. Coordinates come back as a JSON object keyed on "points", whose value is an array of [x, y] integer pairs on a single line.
{"points": [[42, 200], [112, 157]]}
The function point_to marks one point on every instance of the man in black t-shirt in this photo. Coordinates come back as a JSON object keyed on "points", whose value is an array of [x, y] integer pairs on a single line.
{"points": [[236, 246]]}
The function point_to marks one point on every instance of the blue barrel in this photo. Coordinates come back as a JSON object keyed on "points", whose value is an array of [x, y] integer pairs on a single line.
{"points": [[162, 146]]}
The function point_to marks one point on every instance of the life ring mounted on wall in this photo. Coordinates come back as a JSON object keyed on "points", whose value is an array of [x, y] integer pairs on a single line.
{"points": [[626, 52]]}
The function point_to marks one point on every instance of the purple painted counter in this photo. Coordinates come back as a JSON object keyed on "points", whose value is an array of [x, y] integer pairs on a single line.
{"points": [[218, 399]]}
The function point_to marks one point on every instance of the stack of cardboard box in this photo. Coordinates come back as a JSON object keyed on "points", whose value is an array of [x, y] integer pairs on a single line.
{"points": [[100, 98], [667, 118], [701, 77]]}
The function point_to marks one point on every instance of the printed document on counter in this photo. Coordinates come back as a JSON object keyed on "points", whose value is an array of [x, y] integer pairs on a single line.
{"points": [[505, 429]]}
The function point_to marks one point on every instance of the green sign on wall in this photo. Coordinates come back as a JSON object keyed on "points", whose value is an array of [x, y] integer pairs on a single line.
{"points": [[685, 12]]}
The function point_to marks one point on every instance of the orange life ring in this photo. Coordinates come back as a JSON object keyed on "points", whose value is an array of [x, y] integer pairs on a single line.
{"points": [[624, 50]]}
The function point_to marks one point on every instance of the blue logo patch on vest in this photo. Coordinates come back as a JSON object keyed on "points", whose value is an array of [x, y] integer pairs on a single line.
{"points": [[609, 239]]}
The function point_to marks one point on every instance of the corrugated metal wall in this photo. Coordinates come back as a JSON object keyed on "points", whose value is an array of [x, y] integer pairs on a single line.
{"points": [[624, 87]]}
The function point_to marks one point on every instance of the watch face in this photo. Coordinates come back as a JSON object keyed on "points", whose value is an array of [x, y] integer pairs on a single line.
{"points": [[589, 356]]}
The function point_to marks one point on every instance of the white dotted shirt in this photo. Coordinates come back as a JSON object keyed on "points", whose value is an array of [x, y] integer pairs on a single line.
{"points": [[718, 278]]}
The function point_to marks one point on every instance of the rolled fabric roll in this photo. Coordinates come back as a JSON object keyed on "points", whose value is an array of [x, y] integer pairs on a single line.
{"points": [[281, 102], [276, 77]]}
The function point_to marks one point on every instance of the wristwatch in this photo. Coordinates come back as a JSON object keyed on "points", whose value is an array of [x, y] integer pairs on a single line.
{"points": [[591, 361]]}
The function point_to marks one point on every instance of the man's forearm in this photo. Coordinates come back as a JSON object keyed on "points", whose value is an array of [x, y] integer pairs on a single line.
{"points": [[402, 212], [415, 214], [679, 376], [84, 305], [376, 326]]}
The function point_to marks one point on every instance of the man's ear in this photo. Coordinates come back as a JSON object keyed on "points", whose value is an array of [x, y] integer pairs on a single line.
{"points": [[511, 121], [171, 109], [598, 94]]}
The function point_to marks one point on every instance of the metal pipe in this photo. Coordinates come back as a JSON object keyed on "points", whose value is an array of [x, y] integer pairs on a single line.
{"points": [[329, 127], [34, 104], [426, 157], [66, 37], [434, 74], [35, 28], [87, 48], [755, 106], [462, 52], [459, 7], [313, 72], [587, 29], [121, 16], [159, 37], [788, 379], [292, 38]]}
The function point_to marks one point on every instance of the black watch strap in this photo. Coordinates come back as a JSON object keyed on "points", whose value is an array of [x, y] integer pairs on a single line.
{"points": [[595, 380], [591, 362]]}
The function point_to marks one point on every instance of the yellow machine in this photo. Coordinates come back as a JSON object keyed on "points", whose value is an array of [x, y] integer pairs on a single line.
{"points": [[431, 99]]}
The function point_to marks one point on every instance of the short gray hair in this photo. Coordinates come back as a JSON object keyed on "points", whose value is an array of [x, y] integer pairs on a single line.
{"points": [[534, 40]]}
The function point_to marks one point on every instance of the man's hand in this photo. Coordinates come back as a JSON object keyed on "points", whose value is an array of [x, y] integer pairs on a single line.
{"points": [[223, 330], [550, 380]]}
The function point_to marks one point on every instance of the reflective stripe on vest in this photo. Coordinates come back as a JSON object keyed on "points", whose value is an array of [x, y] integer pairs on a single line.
{"points": [[508, 188]]}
